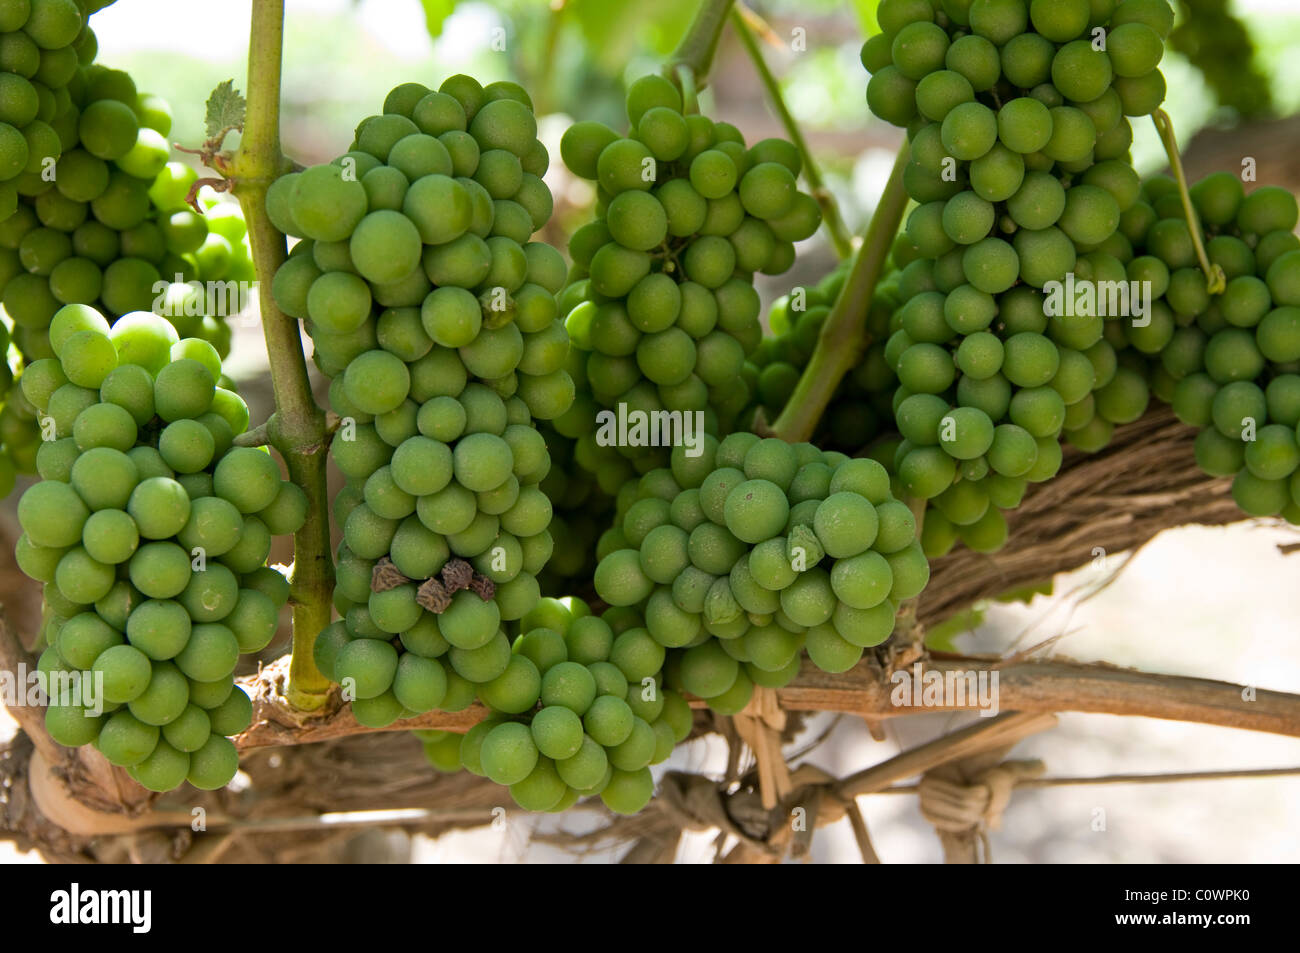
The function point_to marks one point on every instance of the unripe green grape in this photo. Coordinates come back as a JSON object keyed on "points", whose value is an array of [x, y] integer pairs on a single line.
{"points": [[969, 130], [892, 96], [991, 265], [998, 174], [926, 472], [1124, 399], [979, 355], [967, 218], [1141, 95], [1233, 355], [1045, 255], [1060, 20], [1091, 214], [919, 49], [967, 309], [998, 20], [1073, 135], [1156, 14], [975, 58], [1259, 497], [1081, 72], [935, 96], [1268, 208], [1027, 60]]}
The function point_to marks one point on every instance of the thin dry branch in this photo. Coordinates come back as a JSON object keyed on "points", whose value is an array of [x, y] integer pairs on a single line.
{"points": [[1056, 686]]}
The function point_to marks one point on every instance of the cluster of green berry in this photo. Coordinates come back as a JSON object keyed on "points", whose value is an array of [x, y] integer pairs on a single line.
{"points": [[579, 710], [1228, 363], [1017, 113], [662, 310], [150, 532], [742, 557], [434, 313]]}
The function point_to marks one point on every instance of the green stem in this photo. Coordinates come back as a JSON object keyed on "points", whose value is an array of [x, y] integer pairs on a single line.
{"points": [[544, 78], [696, 50], [1215, 279], [685, 76], [297, 430], [835, 227], [842, 338]]}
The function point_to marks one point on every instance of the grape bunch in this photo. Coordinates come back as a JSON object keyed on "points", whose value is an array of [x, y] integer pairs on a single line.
{"points": [[1018, 119], [742, 557], [112, 228], [434, 313], [1229, 363], [150, 533], [861, 408], [43, 45], [578, 709], [664, 309]]}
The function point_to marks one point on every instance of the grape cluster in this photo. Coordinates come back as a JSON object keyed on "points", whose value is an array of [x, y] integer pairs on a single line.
{"points": [[43, 45], [1229, 363], [578, 709], [861, 408], [663, 311], [150, 533], [1018, 119], [91, 212], [742, 557], [112, 228], [435, 315]]}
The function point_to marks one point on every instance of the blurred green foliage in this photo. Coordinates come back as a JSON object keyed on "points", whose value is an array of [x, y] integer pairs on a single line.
{"points": [[1218, 44]]}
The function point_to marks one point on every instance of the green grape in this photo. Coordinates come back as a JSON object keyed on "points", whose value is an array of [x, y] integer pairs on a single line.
{"points": [[969, 130], [919, 49], [934, 97], [1081, 72], [975, 58]]}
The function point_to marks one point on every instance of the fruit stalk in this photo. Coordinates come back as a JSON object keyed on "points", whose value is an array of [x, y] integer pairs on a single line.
{"points": [[696, 50], [842, 339], [835, 228], [1215, 280], [298, 428]]}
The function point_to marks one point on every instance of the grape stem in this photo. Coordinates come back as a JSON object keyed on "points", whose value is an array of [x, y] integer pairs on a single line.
{"points": [[746, 22], [297, 430], [695, 52], [1215, 280], [843, 338]]}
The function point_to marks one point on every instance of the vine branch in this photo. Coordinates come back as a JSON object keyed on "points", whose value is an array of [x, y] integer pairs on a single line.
{"points": [[298, 428], [842, 338], [1029, 687], [695, 52]]}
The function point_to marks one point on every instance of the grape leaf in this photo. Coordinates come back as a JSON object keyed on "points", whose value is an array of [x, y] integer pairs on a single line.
{"points": [[226, 107], [436, 13]]}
